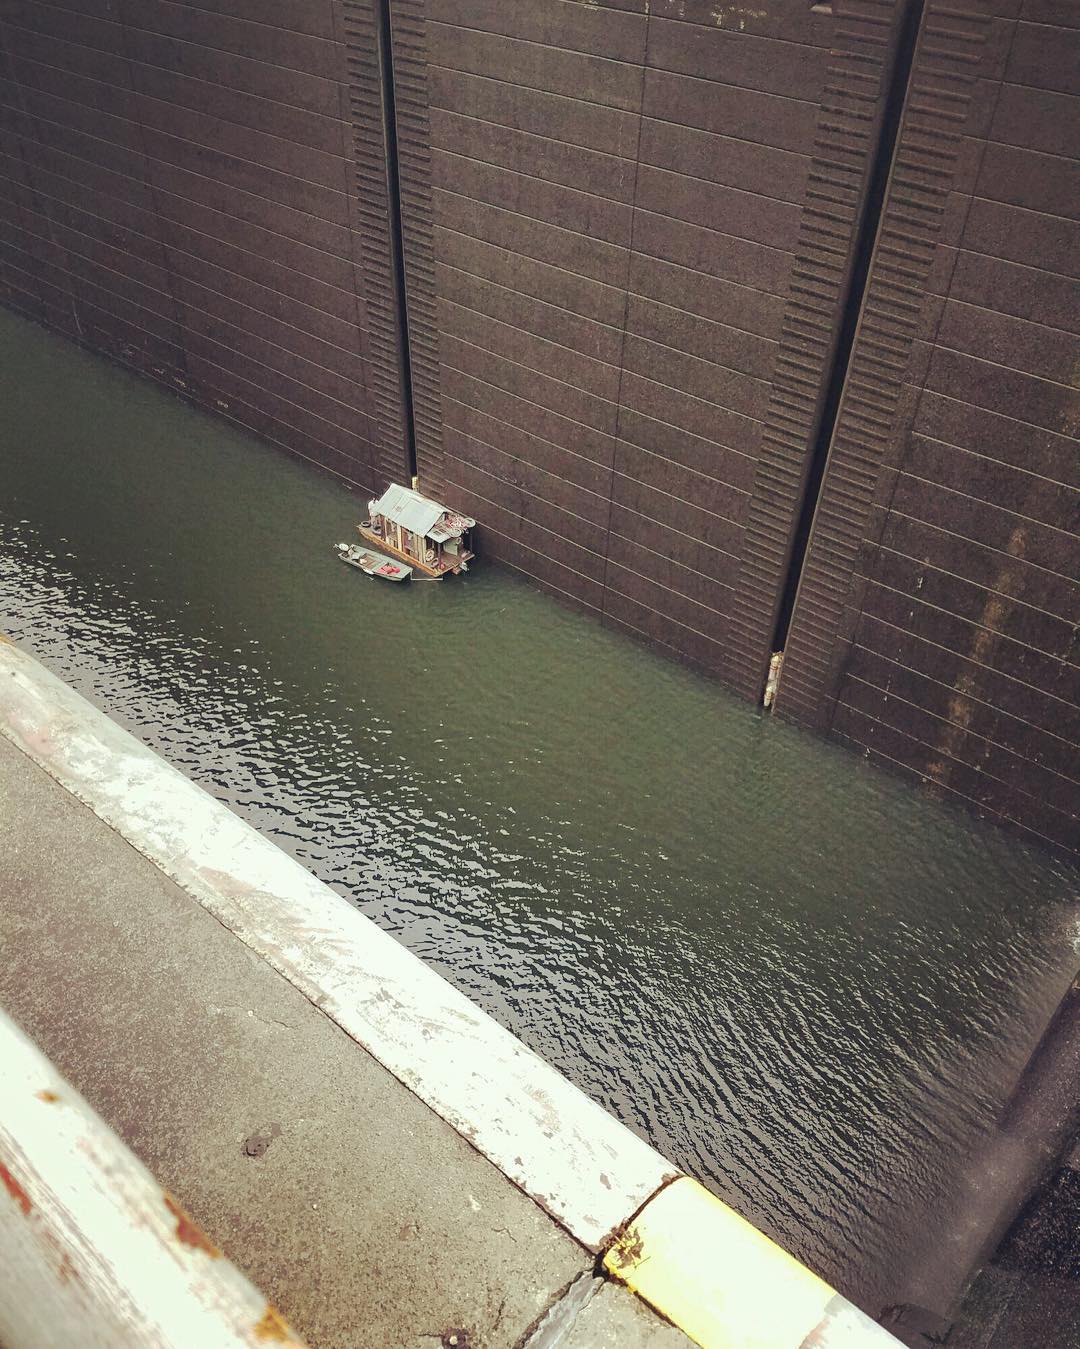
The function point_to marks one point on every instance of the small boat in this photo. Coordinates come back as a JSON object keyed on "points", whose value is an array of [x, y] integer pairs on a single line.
{"points": [[371, 563]]}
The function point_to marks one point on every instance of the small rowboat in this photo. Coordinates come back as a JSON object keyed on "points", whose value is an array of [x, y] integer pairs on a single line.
{"points": [[372, 564]]}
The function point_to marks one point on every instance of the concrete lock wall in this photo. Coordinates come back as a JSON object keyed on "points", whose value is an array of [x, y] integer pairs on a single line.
{"points": [[200, 193], [738, 327], [936, 626]]}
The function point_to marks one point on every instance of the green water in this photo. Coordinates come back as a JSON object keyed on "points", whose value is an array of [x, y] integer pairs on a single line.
{"points": [[802, 981]]}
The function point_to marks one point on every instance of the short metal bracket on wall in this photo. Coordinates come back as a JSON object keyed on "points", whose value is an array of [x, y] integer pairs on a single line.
{"points": [[772, 683]]}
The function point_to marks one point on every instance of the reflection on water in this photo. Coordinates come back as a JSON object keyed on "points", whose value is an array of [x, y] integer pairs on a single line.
{"points": [[802, 982]]}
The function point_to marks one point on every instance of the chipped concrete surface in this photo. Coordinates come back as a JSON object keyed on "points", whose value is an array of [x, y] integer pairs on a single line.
{"points": [[615, 1319], [355, 1208]]}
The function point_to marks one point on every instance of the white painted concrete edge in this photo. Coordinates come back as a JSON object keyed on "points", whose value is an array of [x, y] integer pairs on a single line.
{"points": [[92, 1251], [574, 1159]]}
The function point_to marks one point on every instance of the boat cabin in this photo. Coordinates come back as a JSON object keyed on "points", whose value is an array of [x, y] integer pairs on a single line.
{"points": [[429, 537]]}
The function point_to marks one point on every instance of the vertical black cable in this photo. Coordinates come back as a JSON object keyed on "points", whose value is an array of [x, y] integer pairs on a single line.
{"points": [[384, 30], [866, 236]]}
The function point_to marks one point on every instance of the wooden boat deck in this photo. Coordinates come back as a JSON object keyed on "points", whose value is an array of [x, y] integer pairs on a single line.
{"points": [[384, 546]]}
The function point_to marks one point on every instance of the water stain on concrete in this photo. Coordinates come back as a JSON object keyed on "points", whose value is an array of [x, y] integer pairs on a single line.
{"points": [[255, 1145]]}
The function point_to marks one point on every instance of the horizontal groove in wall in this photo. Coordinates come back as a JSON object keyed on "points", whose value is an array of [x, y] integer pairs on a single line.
{"points": [[85, 194], [631, 115], [1048, 741], [300, 237], [1032, 803], [996, 638], [138, 95], [316, 78], [1003, 595], [1027, 695], [969, 803], [169, 304]]}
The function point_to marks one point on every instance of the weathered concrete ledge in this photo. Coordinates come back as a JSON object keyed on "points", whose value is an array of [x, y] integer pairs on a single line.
{"points": [[361, 1215], [388, 1164], [93, 1251]]}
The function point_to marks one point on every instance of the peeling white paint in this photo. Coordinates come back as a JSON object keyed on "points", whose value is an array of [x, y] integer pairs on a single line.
{"points": [[92, 1251], [580, 1164]]}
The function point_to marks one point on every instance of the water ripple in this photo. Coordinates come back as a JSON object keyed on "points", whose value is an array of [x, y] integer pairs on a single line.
{"points": [[803, 983]]}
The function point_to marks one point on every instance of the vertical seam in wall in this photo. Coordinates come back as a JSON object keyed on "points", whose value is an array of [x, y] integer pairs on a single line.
{"points": [[626, 316], [931, 340], [842, 519], [868, 232], [395, 228], [356, 241], [842, 378], [411, 92], [362, 92], [840, 171]]}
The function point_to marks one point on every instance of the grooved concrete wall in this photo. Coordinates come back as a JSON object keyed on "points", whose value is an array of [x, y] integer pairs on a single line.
{"points": [[181, 188], [937, 623], [611, 239], [629, 233]]}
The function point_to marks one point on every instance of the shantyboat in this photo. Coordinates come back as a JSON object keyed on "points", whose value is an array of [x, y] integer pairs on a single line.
{"points": [[429, 537]]}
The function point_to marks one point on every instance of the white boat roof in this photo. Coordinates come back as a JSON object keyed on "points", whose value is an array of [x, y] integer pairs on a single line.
{"points": [[417, 513]]}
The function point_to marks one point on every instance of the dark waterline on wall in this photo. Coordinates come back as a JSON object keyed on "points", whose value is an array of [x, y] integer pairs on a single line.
{"points": [[804, 983]]}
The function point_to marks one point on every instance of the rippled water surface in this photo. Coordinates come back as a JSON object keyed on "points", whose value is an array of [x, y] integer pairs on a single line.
{"points": [[803, 982]]}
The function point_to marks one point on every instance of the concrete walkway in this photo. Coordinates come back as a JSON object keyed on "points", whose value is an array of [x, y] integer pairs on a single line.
{"points": [[362, 1215]]}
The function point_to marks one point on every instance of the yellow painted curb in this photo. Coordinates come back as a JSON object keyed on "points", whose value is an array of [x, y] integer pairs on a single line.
{"points": [[725, 1284]]}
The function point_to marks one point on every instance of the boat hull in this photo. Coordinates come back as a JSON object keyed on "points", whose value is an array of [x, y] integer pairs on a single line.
{"points": [[433, 573]]}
